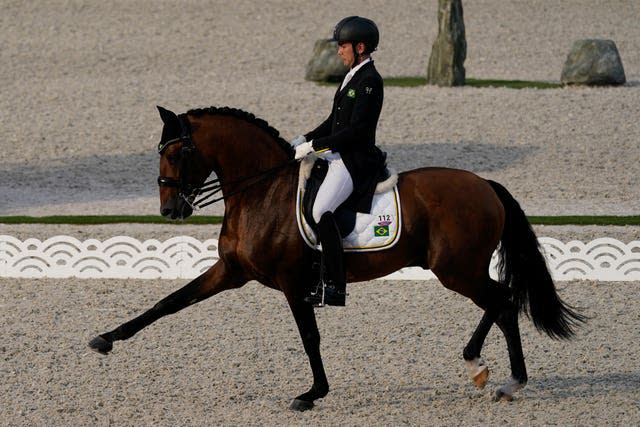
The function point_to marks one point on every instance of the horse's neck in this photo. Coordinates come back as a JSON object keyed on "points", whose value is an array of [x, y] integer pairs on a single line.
{"points": [[241, 150], [248, 162], [261, 176]]}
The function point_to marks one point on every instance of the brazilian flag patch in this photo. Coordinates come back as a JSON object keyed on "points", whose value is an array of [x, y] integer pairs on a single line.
{"points": [[351, 93], [381, 230]]}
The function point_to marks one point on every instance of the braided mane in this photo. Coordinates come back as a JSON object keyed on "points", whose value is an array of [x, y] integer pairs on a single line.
{"points": [[248, 117]]}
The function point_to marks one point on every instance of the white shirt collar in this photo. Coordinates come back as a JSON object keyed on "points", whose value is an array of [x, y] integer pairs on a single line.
{"points": [[360, 65], [353, 71]]}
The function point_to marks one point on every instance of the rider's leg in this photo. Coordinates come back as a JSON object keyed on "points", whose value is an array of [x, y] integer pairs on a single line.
{"points": [[332, 253], [335, 189]]}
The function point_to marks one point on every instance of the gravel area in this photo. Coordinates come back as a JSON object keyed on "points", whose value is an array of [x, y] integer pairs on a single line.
{"points": [[393, 357], [80, 81]]}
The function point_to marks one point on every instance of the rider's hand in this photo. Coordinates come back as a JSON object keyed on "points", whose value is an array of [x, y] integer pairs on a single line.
{"points": [[297, 141], [303, 150]]}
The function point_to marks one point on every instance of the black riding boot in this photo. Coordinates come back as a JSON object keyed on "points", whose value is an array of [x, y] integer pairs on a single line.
{"points": [[333, 274]]}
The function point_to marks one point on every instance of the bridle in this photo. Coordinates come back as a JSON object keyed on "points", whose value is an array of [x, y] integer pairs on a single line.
{"points": [[186, 191], [205, 191]]}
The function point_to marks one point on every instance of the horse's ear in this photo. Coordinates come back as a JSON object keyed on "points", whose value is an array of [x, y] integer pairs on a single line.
{"points": [[166, 115]]}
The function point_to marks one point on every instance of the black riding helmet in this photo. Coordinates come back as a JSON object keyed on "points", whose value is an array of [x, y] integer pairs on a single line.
{"points": [[355, 29]]}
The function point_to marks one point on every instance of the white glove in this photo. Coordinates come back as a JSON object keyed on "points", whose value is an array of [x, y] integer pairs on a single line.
{"points": [[303, 150], [298, 140]]}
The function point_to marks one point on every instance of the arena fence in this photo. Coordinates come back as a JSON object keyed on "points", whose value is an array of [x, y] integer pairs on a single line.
{"points": [[184, 257]]}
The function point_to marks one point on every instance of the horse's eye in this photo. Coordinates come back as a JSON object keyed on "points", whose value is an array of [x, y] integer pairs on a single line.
{"points": [[174, 158]]}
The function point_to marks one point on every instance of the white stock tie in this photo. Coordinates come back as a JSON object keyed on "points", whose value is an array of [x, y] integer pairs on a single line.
{"points": [[347, 78]]}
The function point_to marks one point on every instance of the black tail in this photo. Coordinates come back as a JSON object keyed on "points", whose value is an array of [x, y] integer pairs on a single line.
{"points": [[523, 267]]}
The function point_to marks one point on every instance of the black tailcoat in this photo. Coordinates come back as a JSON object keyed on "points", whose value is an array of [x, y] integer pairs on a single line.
{"points": [[350, 130]]}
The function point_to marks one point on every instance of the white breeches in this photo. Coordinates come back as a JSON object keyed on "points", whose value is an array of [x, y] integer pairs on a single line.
{"points": [[335, 189]]}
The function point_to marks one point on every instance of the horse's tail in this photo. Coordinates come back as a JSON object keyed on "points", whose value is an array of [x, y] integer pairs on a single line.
{"points": [[523, 267]]}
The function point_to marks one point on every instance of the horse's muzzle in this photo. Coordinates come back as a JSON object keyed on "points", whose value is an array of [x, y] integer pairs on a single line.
{"points": [[176, 208]]}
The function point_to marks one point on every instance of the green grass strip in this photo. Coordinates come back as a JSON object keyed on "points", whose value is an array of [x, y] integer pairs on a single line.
{"points": [[585, 220], [204, 219], [509, 84], [405, 81], [106, 219], [512, 84]]}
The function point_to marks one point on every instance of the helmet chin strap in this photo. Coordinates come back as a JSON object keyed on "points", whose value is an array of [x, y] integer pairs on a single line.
{"points": [[357, 57]]}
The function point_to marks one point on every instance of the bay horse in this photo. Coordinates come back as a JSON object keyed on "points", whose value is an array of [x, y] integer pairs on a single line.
{"points": [[452, 221]]}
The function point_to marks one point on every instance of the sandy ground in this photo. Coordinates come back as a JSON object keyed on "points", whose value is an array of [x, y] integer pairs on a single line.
{"points": [[393, 357], [80, 81]]}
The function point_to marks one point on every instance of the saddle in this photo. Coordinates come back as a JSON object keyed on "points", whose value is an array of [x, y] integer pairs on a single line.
{"points": [[361, 232]]}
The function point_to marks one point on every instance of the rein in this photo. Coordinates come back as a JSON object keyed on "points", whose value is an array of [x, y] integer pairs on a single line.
{"points": [[205, 191], [215, 186]]}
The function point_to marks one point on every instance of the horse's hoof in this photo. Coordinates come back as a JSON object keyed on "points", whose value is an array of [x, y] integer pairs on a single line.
{"points": [[501, 396], [100, 345], [480, 379], [507, 391], [300, 405], [478, 371]]}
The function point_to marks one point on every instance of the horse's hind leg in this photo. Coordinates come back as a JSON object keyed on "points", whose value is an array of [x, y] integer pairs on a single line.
{"points": [[494, 298], [499, 309], [478, 371], [507, 321], [213, 281]]}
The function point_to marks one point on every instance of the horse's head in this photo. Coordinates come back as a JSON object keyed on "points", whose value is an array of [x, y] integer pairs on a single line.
{"points": [[241, 149], [181, 171]]}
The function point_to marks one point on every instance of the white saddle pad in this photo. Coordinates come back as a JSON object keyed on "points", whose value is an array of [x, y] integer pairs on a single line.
{"points": [[373, 232]]}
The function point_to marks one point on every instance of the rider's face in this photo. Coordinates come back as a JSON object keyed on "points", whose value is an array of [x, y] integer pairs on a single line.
{"points": [[348, 56], [345, 52]]}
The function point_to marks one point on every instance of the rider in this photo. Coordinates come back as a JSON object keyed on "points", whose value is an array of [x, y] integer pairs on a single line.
{"points": [[346, 139]]}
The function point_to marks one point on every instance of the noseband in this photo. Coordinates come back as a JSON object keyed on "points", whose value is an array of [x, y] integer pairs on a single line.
{"points": [[187, 191]]}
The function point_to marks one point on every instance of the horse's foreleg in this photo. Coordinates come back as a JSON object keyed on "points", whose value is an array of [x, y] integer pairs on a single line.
{"points": [[211, 282], [308, 328]]}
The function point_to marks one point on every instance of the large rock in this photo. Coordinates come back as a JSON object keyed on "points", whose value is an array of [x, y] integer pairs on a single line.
{"points": [[325, 65], [446, 63], [593, 62]]}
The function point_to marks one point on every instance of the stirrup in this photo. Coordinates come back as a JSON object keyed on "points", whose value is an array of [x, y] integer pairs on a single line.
{"points": [[326, 295]]}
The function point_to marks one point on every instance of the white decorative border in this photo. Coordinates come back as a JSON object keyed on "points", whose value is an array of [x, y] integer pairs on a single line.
{"points": [[184, 257], [119, 257]]}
